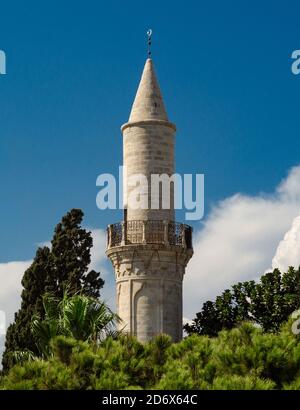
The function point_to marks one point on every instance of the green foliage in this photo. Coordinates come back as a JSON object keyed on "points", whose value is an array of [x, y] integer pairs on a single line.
{"points": [[66, 264], [295, 385], [71, 251], [235, 382], [79, 317], [267, 303], [19, 336], [243, 358]]}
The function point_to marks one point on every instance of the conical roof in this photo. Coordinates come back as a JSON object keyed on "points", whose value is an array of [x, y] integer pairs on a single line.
{"points": [[148, 103]]}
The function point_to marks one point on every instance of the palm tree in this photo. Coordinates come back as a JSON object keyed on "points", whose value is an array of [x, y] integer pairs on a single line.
{"points": [[80, 317]]}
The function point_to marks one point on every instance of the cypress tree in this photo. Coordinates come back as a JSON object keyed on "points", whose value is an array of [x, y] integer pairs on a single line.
{"points": [[71, 250]]}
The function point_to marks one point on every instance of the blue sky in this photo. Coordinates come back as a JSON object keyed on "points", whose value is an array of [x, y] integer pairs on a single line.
{"points": [[72, 72]]}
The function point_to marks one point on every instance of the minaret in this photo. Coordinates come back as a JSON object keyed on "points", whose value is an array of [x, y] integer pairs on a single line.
{"points": [[148, 249]]}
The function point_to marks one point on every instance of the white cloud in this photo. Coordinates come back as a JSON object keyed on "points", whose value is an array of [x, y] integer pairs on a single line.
{"points": [[288, 251], [10, 290], [98, 257], [238, 239], [100, 263]]}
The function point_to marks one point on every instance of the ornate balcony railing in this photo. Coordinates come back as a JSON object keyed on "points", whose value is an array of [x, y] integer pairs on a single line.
{"points": [[149, 232]]}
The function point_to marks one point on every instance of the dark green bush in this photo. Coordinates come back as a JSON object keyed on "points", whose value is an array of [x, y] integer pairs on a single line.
{"points": [[241, 358]]}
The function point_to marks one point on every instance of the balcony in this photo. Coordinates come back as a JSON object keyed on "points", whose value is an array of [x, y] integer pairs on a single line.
{"points": [[149, 232]]}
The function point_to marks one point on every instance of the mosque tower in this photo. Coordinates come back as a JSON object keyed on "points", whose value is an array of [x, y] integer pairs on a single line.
{"points": [[148, 249]]}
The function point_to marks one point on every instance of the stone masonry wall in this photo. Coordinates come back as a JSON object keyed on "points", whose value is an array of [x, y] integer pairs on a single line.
{"points": [[149, 149]]}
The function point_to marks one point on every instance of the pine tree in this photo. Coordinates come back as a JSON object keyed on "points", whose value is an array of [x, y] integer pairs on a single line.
{"points": [[64, 266]]}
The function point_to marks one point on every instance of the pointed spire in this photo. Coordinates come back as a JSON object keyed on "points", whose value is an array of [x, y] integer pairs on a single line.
{"points": [[148, 103]]}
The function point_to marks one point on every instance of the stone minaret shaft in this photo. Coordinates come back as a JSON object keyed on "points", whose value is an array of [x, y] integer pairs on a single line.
{"points": [[149, 250]]}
